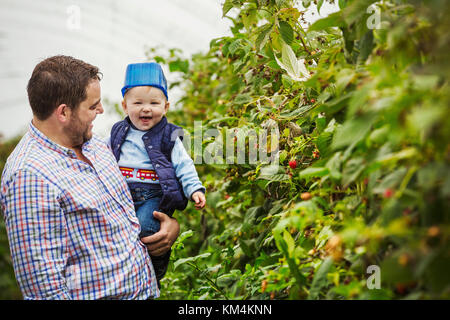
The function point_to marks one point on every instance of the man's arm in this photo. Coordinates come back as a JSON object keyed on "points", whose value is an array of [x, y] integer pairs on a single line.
{"points": [[37, 236]]}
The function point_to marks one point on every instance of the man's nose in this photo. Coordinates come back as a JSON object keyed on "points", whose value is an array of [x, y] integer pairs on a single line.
{"points": [[100, 108]]}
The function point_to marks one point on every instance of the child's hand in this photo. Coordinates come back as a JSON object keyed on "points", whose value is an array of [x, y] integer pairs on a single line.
{"points": [[199, 199]]}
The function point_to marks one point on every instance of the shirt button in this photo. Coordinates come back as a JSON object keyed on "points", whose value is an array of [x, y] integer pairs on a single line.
{"points": [[150, 147], [157, 166]]}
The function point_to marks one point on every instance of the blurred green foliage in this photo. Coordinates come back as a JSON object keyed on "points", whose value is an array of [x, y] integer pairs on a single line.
{"points": [[8, 285], [362, 109]]}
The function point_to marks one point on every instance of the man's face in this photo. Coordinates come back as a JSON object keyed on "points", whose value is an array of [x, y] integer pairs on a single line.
{"points": [[80, 125], [145, 106]]}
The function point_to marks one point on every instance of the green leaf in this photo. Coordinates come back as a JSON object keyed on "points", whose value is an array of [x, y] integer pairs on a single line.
{"points": [[352, 169], [285, 243], [320, 279], [159, 59], [296, 113], [289, 242], [342, 3], [179, 65], [344, 78], [185, 235], [280, 3], [396, 156], [334, 165], [263, 35], [366, 46], [222, 119], [242, 98], [319, 5], [323, 142], [378, 136], [392, 180], [234, 46], [295, 68], [227, 6], [352, 131], [333, 20], [356, 11], [334, 105], [313, 172], [274, 178], [227, 279], [248, 246], [190, 259], [286, 32]]}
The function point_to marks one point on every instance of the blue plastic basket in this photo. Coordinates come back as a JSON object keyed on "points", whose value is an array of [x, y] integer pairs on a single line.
{"points": [[145, 74]]}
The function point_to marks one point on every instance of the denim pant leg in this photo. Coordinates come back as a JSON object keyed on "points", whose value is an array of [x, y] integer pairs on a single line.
{"points": [[144, 212], [149, 226], [145, 202]]}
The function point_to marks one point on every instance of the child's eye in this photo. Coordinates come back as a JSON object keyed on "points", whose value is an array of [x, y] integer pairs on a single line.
{"points": [[138, 102]]}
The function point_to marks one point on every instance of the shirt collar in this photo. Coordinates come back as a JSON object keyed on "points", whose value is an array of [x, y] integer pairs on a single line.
{"points": [[46, 142]]}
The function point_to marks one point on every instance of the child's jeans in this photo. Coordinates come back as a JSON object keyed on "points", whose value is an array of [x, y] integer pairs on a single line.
{"points": [[145, 202]]}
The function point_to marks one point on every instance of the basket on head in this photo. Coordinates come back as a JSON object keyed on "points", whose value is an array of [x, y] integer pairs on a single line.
{"points": [[145, 74]]}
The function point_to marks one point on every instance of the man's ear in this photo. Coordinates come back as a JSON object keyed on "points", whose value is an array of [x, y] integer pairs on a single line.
{"points": [[124, 106], [63, 113]]}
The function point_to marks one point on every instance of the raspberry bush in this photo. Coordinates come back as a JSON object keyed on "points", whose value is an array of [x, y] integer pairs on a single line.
{"points": [[362, 113]]}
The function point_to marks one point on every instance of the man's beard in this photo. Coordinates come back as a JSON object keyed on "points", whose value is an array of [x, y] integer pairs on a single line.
{"points": [[78, 132]]}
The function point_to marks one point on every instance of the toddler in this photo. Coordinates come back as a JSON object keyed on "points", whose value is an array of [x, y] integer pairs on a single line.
{"points": [[159, 172]]}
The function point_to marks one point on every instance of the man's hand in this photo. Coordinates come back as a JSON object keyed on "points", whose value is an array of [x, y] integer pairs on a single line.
{"points": [[199, 199], [160, 242]]}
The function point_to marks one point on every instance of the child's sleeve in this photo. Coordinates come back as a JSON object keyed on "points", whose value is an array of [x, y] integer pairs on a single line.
{"points": [[185, 170]]}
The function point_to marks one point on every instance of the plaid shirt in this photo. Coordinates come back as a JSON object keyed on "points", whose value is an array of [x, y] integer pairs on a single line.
{"points": [[72, 228]]}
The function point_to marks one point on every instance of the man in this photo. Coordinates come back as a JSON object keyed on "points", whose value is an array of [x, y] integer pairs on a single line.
{"points": [[71, 225]]}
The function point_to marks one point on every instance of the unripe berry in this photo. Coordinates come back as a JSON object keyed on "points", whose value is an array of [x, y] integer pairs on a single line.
{"points": [[263, 286], [306, 196]]}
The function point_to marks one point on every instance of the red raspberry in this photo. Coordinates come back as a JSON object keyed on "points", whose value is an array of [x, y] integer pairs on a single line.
{"points": [[293, 164], [388, 193]]}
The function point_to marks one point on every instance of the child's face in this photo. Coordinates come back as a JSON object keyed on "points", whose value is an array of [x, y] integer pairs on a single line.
{"points": [[145, 106]]}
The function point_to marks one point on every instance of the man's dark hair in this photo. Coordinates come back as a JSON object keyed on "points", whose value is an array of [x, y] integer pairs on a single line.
{"points": [[59, 80]]}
